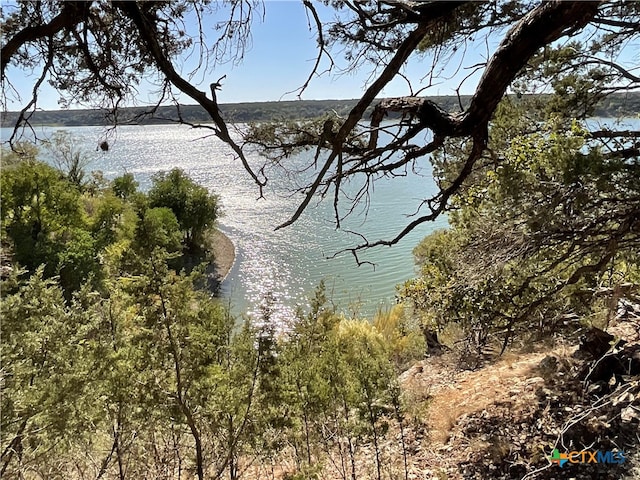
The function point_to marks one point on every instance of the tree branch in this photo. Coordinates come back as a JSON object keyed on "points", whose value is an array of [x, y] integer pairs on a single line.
{"points": [[322, 48], [149, 36], [615, 134], [23, 117], [543, 25], [72, 13], [407, 47]]}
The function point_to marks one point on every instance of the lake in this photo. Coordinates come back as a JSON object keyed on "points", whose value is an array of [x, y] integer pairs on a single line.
{"points": [[280, 267]]}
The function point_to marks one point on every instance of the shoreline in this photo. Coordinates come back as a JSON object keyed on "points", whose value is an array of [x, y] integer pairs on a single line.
{"points": [[224, 257]]}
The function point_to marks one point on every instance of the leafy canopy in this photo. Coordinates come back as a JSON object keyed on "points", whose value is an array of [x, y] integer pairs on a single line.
{"points": [[49, 218], [195, 209], [536, 240]]}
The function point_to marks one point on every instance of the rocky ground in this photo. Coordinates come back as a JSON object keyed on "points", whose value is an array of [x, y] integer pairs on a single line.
{"points": [[504, 420]]}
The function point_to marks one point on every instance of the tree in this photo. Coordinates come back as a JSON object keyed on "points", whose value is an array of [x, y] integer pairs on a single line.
{"points": [[195, 209], [148, 376], [98, 53], [111, 219], [68, 157], [570, 54], [159, 229], [51, 354], [124, 186], [42, 217], [335, 391], [202, 376], [540, 239]]}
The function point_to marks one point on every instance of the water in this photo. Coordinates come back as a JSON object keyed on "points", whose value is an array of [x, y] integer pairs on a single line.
{"points": [[284, 266]]}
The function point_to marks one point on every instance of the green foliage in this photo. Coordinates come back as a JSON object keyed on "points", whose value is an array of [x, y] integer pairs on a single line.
{"points": [[47, 392], [42, 215], [533, 237], [140, 359], [185, 347], [77, 261], [401, 334], [138, 375], [69, 158], [337, 385], [193, 206], [111, 218], [124, 186], [154, 356], [79, 233], [579, 86], [116, 352], [159, 229]]}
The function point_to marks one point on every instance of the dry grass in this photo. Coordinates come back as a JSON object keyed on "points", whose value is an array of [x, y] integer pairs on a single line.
{"points": [[452, 394]]}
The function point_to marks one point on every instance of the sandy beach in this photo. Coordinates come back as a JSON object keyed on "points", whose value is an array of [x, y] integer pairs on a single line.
{"points": [[224, 253]]}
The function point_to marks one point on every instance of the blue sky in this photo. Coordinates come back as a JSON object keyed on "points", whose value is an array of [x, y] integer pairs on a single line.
{"points": [[280, 56], [283, 53]]}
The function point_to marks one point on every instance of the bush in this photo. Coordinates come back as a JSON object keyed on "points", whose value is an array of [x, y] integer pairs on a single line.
{"points": [[193, 206], [159, 229]]}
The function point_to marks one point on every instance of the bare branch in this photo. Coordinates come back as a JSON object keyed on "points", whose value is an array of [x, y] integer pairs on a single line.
{"points": [[322, 49], [149, 36], [437, 205], [615, 134], [616, 23], [623, 71], [24, 116], [358, 110]]}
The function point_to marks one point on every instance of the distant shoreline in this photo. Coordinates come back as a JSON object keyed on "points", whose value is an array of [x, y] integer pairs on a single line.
{"points": [[615, 105]]}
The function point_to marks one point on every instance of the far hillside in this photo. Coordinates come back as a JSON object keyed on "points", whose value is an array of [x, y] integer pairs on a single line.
{"points": [[616, 105]]}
